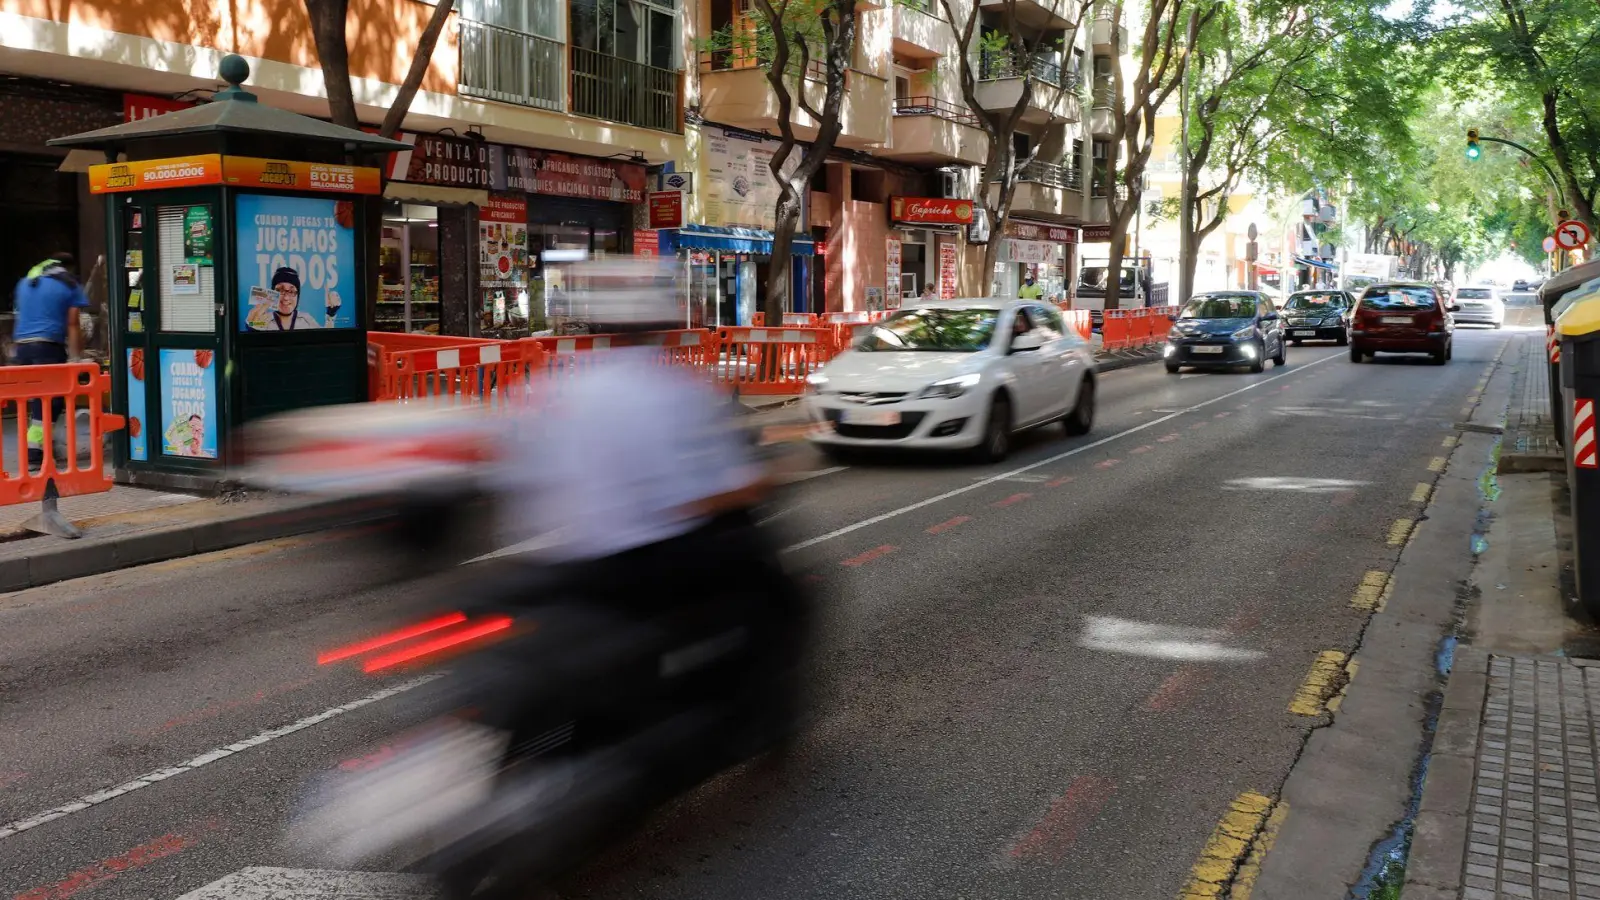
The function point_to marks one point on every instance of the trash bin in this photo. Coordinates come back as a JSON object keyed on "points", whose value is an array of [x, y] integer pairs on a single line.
{"points": [[1578, 329], [1553, 294]]}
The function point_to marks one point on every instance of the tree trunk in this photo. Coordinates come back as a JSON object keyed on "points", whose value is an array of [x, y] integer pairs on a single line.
{"points": [[1114, 274], [420, 60], [1577, 197], [1189, 237], [333, 53]]}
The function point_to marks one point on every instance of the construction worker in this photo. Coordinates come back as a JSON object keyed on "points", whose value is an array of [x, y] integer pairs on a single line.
{"points": [[47, 333], [1030, 288]]}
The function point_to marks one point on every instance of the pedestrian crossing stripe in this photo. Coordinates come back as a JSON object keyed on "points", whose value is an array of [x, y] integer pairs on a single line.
{"points": [[1583, 440], [272, 883]]}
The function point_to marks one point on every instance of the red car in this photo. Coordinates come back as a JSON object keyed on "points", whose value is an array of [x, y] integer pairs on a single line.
{"points": [[1403, 317]]}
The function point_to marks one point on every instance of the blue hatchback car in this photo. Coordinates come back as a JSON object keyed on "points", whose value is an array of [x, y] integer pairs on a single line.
{"points": [[1226, 329]]}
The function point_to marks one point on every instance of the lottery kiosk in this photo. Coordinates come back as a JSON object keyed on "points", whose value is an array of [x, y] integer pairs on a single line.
{"points": [[241, 273]]}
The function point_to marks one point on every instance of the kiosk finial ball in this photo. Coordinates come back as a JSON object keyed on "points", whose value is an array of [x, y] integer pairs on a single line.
{"points": [[233, 69]]}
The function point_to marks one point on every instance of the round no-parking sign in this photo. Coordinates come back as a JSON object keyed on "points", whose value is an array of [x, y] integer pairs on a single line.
{"points": [[1549, 245]]}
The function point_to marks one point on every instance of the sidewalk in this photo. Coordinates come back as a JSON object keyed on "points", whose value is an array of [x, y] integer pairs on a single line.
{"points": [[1510, 806], [1530, 442]]}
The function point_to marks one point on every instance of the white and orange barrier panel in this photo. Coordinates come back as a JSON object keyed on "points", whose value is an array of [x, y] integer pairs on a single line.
{"points": [[74, 387], [790, 320], [474, 374], [770, 360]]}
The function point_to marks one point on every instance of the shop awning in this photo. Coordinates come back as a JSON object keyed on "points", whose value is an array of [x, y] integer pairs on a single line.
{"points": [[434, 194], [728, 239], [1314, 263]]}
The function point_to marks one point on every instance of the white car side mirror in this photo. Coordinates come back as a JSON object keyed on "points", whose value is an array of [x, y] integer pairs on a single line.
{"points": [[1026, 341]]}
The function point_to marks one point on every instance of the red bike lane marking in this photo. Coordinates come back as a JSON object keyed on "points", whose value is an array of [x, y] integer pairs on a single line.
{"points": [[1065, 479], [869, 556], [1053, 837], [1010, 501], [1177, 689], [106, 869], [948, 524]]}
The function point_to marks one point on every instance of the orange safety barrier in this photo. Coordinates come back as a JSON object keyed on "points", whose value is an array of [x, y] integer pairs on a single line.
{"points": [[771, 360], [1078, 320], [692, 347], [1116, 330], [383, 345], [790, 320], [474, 374], [78, 386]]}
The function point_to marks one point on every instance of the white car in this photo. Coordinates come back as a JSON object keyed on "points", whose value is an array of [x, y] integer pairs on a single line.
{"points": [[1480, 306], [955, 374]]}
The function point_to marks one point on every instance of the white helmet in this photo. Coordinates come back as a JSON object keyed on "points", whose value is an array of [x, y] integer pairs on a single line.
{"points": [[627, 292]]}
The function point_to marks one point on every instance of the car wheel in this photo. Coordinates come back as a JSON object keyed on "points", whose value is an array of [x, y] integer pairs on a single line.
{"points": [[841, 455], [1356, 355], [1342, 340], [1440, 356], [1259, 364], [1172, 368], [1283, 355], [1297, 342], [1081, 419], [1498, 325], [996, 443]]}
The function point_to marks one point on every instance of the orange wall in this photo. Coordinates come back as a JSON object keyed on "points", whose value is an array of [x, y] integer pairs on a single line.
{"points": [[382, 33]]}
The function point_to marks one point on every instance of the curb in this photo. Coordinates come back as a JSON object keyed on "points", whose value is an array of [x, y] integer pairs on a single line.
{"points": [[62, 561], [1439, 836], [1125, 362]]}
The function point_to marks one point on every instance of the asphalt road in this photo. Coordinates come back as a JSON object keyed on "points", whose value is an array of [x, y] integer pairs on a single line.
{"points": [[1040, 679]]}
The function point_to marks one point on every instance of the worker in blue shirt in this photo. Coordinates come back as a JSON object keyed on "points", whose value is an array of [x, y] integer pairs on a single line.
{"points": [[46, 333]]}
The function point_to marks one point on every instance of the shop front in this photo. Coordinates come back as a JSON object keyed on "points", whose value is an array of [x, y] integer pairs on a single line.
{"points": [[477, 235], [1038, 251], [924, 247]]}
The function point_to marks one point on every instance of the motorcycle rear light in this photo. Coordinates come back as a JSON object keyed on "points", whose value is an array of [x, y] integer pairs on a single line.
{"points": [[483, 628], [393, 637]]}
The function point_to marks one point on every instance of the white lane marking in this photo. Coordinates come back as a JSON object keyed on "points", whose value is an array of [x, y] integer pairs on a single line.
{"points": [[270, 883], [1112, 635], [995, 479], [1291, 483], [143, 781], [807, 476]]}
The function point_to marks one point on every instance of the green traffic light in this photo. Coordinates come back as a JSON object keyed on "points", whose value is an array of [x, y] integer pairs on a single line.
{"points": [[1474, 151]]}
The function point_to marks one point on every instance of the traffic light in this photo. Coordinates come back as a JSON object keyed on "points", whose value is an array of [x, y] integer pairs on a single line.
{"points": [[1473, 150]]}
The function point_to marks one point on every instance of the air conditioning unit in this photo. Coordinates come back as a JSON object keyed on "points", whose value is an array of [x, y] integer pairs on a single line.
{"points": [[978, 231], [951, 184]]}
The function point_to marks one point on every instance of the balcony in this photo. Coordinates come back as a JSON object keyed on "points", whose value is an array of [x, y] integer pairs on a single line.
{"points": [[621, 90], [1100, 206], [1102, 111], [918, 34], [512, 67], [734, 91], [1054, 99], [1107, 36], [1047, 191], [929, 131], [1032, 14]]}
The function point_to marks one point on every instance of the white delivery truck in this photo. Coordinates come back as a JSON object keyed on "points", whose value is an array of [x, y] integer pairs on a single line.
{"points": [[1362, 269]]}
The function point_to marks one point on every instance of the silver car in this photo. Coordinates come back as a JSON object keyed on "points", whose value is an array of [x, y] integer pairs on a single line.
{"points": [[1480, 305]]}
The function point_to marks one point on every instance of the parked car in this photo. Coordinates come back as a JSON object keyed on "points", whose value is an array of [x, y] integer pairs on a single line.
{"points": [[1226, 329], [1402, 317], [1318, 316], [955, 374], [1480, 306]]}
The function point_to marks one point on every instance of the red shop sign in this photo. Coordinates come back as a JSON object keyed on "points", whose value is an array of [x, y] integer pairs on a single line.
{"points": [[504, 209], [930, 211], [1097, 234], [646, 243], [145, 106], [1039, 231], [666, 209]]}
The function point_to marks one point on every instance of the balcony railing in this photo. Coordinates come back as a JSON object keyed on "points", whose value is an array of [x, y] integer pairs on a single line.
{"points": [[737, 59], [621, 90], [999, 66], [1105, 94], [933, 106], [1105, 12], [1052, 174], [510, 66]]}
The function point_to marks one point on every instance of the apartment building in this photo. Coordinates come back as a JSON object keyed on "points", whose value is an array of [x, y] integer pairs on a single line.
{"points": [[534, 132]]}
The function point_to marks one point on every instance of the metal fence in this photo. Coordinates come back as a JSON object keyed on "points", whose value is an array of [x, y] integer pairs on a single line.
{"points": [[1052, 174], [933, 106], [609, 87], [1000, 66], [511, 66]]}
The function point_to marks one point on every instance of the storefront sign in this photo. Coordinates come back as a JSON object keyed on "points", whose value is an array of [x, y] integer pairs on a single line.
{"points": [[138, 446], [188, 404], [297, 263], [290, 175], [949, 271], [1031, 251], [561, 175], [646, 243], [503, 244], [1097, 234], [930, 211], [447, 161], [676, 181], [145, 175], [666, 209], [1040, 231], [144, 106], [197, 235], [891, 271]]}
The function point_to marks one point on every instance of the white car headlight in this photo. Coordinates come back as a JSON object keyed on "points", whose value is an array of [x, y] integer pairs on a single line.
{"points": [[816, 382], [952, 387], [1246, 332]]}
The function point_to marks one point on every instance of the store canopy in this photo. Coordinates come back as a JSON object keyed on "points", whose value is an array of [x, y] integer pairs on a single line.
{"points": [[434, 194], [729, 239], [1314, 263]]}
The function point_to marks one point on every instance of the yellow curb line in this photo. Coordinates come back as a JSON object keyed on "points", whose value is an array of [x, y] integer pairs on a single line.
{"points": [[1245, 882], [1320, 684], [1436, 464], [1421, 493], [1225, 849], [1371, 592], [1400, 532]]}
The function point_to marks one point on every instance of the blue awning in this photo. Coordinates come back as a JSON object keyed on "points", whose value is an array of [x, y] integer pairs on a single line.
{"points": [[1314, 263], [728, 239]]}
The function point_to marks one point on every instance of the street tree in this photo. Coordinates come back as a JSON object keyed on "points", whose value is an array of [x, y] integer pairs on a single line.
{"points": [[1138, 97], [805, 48], [330, 32], [1004, 46]]}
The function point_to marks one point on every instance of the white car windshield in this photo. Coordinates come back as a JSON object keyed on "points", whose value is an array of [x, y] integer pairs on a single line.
{"points": [[1474, 294], [1221, 306], [941, 330]]}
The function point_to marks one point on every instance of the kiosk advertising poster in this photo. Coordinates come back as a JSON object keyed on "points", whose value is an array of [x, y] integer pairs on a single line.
{"points": [[297, 263], [138, 444], [188, 404]]}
